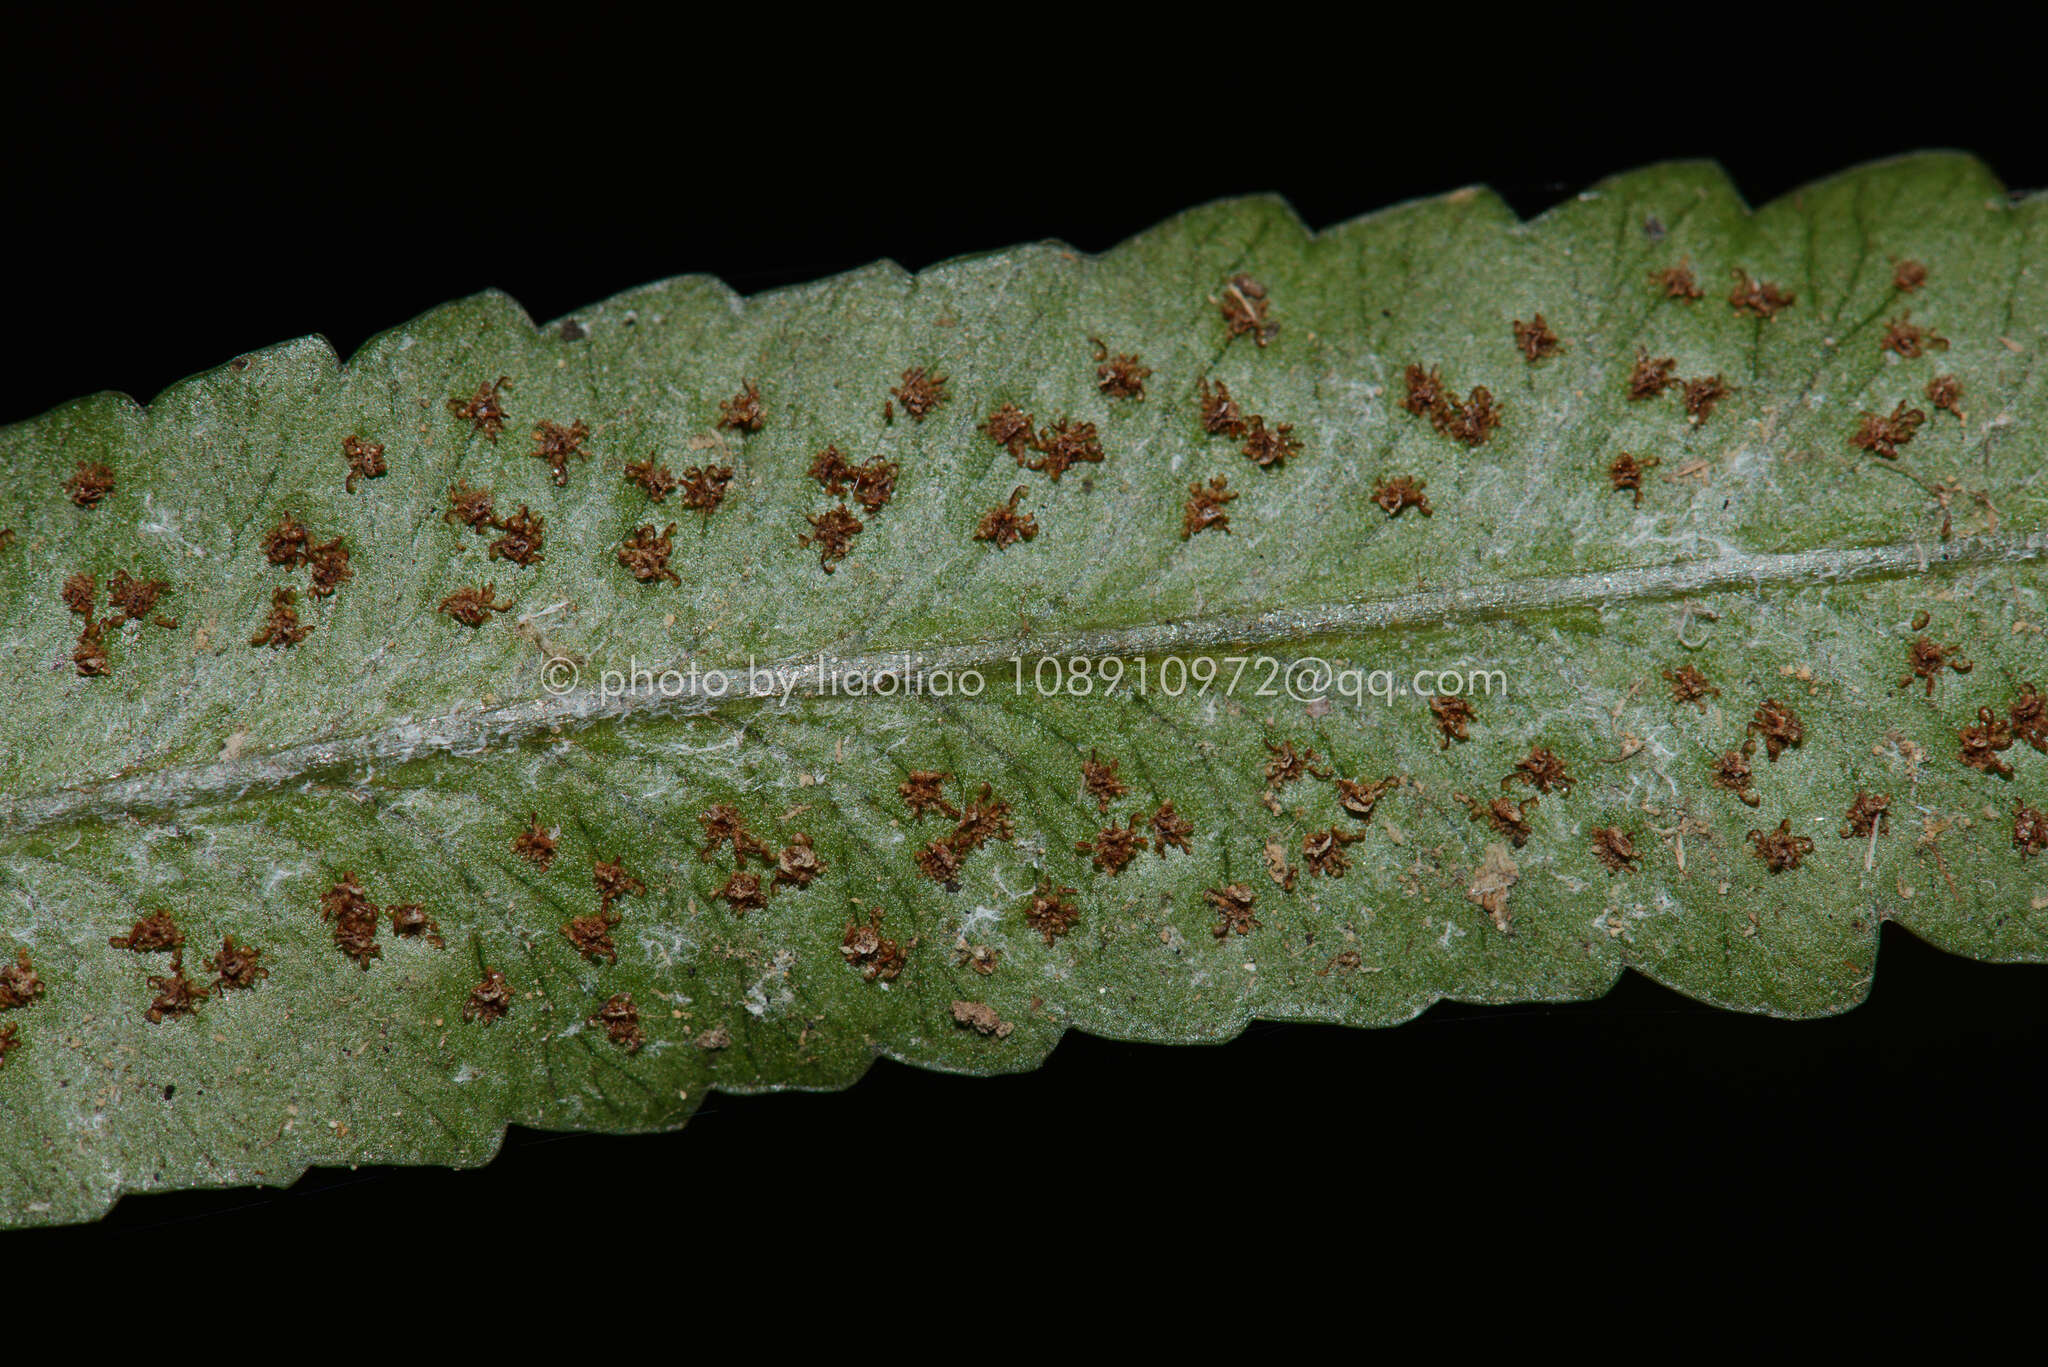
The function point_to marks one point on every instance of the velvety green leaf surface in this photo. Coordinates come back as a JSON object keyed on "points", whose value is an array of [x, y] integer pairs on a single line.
{"points": [[233, 785]]}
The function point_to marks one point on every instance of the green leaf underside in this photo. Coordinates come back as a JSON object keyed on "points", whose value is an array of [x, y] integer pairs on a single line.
{"points": [[233, 785]]}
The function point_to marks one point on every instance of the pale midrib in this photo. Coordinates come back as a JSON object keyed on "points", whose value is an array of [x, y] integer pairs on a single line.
{"points": [[700, 692]]}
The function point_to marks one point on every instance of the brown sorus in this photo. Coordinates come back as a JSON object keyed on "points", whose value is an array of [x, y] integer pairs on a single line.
{"points": [[1402, 491], [89, 655], [986, 818], [19, 984], [874, 955], [645, 553], [1652, 376], [483, 410], [1925, 659], [1233, 907], [1756, 298], [153, 934], [1102, 782], [1780, 849], [235, 967], [832, 469], [1049, 912], [592, 935], [520, 537], [473, 607], [1732, 771], [1426, 395], [176, 994], [1063, 445], [1009, 426], [409, 921], [1701, 395], [613, 882], [1503, 814], [1472, 421], [1452, 716], [742, 892], [553, 444], [10, 1040], [1245, 307], [655, 479], [1360, 797], [2029, 829], [1322, 852], [287, 543], [1114, 847], [1535, 340], [329, 562], [281, 628], [354, 915], [1626, 473], [920, 392], [2029, 714], [1169, 827], [1908, 276], [1121, 376], [1780, 727], [939, 861], [798, 864], [1883, 436], [1221, 417], [471, 507], [1867, 813], [1004, 525], [922, 789], [1615, 850], [1983, 743], [89, 483], [1541, 770], [1266, 447], [1689, 685], [833, 533], [78, 593], [536, 844], [365, 460], [1204, 509], [704, 487], [1909, 340], [489, 1000], [743, 412], [1945, 392], [723, 825], [134, 599], [982, 1019], [980, 958], [620, 1019], [1677, 282], [1291, 766], [874, 483]]}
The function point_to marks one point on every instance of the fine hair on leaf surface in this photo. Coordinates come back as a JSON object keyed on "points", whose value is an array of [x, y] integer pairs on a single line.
{"points": [[1245, 622]]}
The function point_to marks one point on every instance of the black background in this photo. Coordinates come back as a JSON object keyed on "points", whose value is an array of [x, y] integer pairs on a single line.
{"points": [[178, 194]]}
